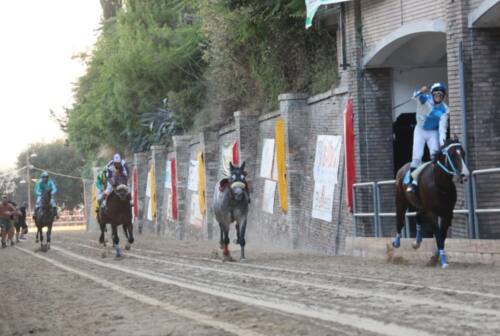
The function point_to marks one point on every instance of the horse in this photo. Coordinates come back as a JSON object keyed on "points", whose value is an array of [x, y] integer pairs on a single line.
{"points": [[118, 211], [435, 197], [231, 199], [44, 216]]}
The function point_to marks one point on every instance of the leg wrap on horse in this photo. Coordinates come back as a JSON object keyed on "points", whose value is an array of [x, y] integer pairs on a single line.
{"points": [[418, 236], [442, 259], [397, 241]]}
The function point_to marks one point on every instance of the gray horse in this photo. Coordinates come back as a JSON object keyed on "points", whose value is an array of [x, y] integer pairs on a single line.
{"points": [[231, 201]]}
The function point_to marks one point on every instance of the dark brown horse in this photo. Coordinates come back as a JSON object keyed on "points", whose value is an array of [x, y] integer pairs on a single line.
{"points": [[118, 211], [436, 194], [44, 216]]}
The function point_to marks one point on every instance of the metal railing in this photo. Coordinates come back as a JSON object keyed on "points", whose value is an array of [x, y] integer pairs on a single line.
{"points": [[475, 208], [377, 214]]}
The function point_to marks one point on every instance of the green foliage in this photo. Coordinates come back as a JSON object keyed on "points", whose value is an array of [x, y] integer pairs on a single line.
{"points": [[207, 57], [59, 158]]}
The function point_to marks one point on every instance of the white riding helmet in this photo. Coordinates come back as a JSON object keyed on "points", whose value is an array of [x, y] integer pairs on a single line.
{"points": [[117, 158]]}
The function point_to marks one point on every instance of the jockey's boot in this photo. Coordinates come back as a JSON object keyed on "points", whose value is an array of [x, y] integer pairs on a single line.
{"points": [[412, 184]]}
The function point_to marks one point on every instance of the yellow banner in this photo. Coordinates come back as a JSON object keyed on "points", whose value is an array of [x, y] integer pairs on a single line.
{"points": [[201, 183], [94, 199], [281, 163]]}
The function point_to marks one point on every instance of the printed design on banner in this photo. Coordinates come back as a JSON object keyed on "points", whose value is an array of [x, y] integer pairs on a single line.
{"points": [[195, 218], [326, 167], [201, 183], [193, 175], [229, 153], [151, 193]]}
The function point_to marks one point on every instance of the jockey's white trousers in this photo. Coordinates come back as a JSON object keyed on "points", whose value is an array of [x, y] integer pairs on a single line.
{"points": [[420, 138]]}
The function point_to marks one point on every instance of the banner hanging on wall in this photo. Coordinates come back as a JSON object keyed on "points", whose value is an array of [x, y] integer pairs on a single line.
{"points": [[135, 194], [326, 167], [168, 175], [266, 163], [268, 199], [193, 175], [279, 133], [201, 183], [174, 189]]}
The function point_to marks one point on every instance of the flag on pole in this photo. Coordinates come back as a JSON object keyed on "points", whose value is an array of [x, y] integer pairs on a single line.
{"points": [[312, 7]]}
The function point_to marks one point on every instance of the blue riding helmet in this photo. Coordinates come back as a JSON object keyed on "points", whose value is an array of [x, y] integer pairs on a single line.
{"points": [[44, 174], [438, 87]]}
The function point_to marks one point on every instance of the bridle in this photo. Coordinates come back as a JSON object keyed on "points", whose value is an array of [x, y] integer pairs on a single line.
{"points": [[451, 170]]}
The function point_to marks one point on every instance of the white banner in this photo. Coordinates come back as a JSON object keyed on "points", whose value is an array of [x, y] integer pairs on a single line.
{"points": [[193, 175], [196, 218], [312, 7], [269, 194], [266, 164], [326, 167], [168, 175]]}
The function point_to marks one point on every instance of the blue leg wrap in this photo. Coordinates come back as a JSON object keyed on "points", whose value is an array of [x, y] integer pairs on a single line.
{"points": [[418, 237], [442, 259], [397, 241]]}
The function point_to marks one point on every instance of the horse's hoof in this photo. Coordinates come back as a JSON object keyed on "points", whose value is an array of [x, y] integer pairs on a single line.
{"points": [[227, 258], [433, 261], [37, 241], [396, 244], [445, 265], [243, 260], [104, 254], [415, 245], [127, 247]]}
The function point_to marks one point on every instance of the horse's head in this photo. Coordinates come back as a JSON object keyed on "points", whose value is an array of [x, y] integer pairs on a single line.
{"points": [[46, 197], [237, 180], [452, 160], [121, 191]]}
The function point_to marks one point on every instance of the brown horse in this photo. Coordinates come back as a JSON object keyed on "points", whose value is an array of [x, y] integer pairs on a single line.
{"points": [[436, 194], [118, 211]]}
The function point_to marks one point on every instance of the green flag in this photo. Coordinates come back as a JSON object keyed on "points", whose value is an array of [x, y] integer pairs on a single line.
{"points": [[312, 7]]}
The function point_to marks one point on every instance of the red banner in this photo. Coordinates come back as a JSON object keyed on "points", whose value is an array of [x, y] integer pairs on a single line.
{"points": [[349, 151], [174, 189], [236, 153], [135, 195]]}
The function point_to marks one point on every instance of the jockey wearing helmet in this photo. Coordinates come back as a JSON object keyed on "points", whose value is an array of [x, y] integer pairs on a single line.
{"points": [[432, 125], [43, 184], [113, 166]]}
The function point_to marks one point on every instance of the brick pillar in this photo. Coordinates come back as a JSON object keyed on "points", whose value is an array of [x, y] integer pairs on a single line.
{"points": [[294, 110], [247, 125], [209, 145], [141, 164], [181, 150], [159, 158]]}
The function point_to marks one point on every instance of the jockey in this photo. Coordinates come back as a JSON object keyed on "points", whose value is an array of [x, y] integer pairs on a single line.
{"points": [[114, 166], [101, 184], [45, 183], [431, 128]]}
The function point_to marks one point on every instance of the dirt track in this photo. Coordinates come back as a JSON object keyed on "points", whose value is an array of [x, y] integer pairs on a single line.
{"points": [[182, 288]]}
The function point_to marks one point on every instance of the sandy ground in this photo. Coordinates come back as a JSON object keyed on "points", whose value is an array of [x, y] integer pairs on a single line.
{"points": [[164, 287]]}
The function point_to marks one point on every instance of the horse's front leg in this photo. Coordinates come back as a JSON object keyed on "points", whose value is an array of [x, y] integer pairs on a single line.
{"points": [[401, 207], [129, 234], [227, 255], [116, 240], [102, 238], [442, 232], [418, 231], [49, 234], [221, 241], [241, 228], [40, 234]]}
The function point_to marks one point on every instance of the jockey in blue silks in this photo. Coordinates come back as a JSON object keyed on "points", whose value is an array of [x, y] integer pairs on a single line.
{"points": [[117, 164], [43, 184], [431, 128]]}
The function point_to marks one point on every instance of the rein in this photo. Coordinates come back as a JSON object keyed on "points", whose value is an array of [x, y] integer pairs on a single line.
{"points": [[453, 171]]}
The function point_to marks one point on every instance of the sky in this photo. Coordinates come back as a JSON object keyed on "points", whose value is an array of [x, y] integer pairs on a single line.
{"points": [[37, 72]]}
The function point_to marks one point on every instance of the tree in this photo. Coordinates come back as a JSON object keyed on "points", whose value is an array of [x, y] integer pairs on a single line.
{"points": [[59, 158]]}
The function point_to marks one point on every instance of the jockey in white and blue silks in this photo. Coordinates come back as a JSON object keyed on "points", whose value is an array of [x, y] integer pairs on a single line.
{"points": [[45, 183], [117, 164], [432, 125]]}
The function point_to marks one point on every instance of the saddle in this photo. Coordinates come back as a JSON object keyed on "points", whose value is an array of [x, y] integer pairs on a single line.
{"points": [[416, 173]]}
